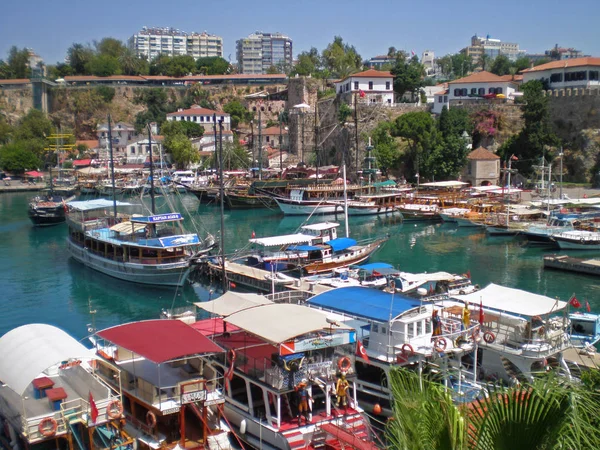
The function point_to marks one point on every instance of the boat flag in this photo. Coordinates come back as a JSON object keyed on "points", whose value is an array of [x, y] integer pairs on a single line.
{"points": [[360, 351], [481, 313], [574, 302], [93, 408], [253, 234], [587, 307], [232, 285], [412, 53], [361, 93]]}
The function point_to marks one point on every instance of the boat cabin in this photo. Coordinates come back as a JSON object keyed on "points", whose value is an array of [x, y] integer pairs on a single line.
{"points": [[584, 329]]}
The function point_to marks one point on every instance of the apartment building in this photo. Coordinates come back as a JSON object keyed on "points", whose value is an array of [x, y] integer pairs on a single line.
{"points": [[259, 51], [152, 42], [492, 48]]}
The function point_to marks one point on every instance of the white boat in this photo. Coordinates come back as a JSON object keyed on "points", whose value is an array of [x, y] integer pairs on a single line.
{"points": [[577, 240], [585, 329], [280, 279], [432, 284]]}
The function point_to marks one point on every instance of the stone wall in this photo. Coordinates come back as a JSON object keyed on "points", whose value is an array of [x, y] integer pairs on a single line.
{"points": [[574, 110], [15, 101]]}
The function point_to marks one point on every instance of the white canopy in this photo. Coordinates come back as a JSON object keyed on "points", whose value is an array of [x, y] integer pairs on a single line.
{"points": [[232, 302], [444, 184], [99, 203], [90, 171], [286, 239], [29, 350], [321, 226], [279, 323], [128, 227], [434, 276], [513, 301]]}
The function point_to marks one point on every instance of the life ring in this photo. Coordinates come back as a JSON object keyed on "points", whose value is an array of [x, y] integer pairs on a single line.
{"points": [[541, 331], [344, 364], [231, 357], [462, 292], [475, 334], [440, 344], [150, 419], [407, 350], [48, 427], [489, 337], [114, 409]]}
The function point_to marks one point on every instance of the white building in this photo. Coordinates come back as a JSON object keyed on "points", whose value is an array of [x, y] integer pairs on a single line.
{"points": [[121, 134], [138, 149], [428, 61], [480, 86], [271, 137], [568, 73], [206, 143], [201, 116], [259, 51], [370, 86], [152, 42]]}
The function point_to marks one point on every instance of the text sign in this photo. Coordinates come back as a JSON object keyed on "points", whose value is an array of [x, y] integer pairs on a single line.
{"points": [[191, 397], [164, 218]]}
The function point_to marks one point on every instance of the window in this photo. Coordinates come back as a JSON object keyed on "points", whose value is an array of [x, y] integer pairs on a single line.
{"points": [[267, 138], [370, 85], [440, 99], [473, 91], [355, 85], [556, 78], [499, 90], [481, 91], [387, 85], [375, 328], [411, 330], [132, 150], [201, 118], [457, 92], [390, 101], [491, 91], [445, 99], [593, 75]]}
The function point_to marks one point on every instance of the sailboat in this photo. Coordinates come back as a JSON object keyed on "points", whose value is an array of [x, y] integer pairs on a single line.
{"points": [[48, 208]]}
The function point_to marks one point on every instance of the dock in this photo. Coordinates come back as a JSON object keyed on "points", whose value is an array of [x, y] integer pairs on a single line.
{"points": [[590, 360], [568, 263], [254, 278]]}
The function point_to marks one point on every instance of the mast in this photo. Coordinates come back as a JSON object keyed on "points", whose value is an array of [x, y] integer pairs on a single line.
{"points": [[151, 171], [508, 196], [222, 196], [345, 200], [112, 168], [260, 158], [317, 142]]}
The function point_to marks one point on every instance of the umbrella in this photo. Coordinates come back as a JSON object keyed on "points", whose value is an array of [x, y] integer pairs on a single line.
{"points": [[34, 174]]}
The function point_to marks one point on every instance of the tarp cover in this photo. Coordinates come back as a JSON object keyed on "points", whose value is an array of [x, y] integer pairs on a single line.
{"points": [[160, 340], [287, 239], [127, 227], [374, 266], [341, 244], [278, 323], [29, 350], [99, 203], [513, 301], [232, 302]]}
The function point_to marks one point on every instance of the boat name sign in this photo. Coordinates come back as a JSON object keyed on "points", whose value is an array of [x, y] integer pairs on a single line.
{"points": [[319, 365], [191, 397], [163, 218], [332, 340]]}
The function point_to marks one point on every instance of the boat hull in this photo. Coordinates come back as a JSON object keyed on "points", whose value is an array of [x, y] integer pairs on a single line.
{"points": [[293, 208], [328, 266], [172, 274], [44, 217], [573, 244]]}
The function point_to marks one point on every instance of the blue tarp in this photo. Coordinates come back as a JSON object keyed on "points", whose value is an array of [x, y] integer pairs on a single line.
{"points": [[341, 244], [370, 304], [375, 266], [303, 248]]}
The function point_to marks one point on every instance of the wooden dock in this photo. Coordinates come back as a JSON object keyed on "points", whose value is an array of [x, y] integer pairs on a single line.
{"points": [[568, 263], [583, 358], [255, 279]]}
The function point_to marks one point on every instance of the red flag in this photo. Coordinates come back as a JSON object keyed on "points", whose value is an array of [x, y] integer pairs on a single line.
{"points": [[481, 313], [93, 409], [587, 307], [514, 158], [361, 93], [253, 234], [360, 351], [574, 302], [232, 285]]}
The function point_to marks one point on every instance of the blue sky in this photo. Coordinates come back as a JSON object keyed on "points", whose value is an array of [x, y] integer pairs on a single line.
{"points": [[50, 27]]}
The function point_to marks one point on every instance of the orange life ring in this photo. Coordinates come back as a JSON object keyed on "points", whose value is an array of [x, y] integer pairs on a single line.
{"points": [[344, 364], [48, 427], [541, 331], [407, 350], [489, 337], [440, 344], [150, 419], [231, 357], [114, 409]]}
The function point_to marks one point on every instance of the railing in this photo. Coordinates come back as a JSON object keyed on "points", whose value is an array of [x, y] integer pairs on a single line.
{"points": [[293, 297]]}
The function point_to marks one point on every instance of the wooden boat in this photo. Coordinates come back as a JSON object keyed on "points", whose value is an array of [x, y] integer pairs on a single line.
{"points": [[48, 208]]}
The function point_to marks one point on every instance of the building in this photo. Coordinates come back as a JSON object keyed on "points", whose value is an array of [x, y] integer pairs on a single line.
{"points": [[371, 86], [492, 48], [558, 53], [122, 133], [483, 168], [428, 61], [260, 51], [201, 116], [138, 149], [480, 86], [377, 62], [152, 42], [270, 137], [568, 73]]}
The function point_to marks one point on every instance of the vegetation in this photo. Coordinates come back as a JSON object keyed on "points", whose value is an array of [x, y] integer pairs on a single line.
{"points": [[408, 75], [235, 156], [16, 65], [212, 65], [238, 112], [157, 106]]}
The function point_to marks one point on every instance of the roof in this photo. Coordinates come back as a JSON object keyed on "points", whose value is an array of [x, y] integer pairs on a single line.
{"points": [[278, 323], [15, 81], [99, 203], [341, 243], [565, 63], [375, 266], [232, 302], [444, 184], [514, 78], [160, 340], [371, 73], [273, 131], [364, 302], [482, 153], [82, 162], [513, 301], [197, 111], [286, 239], [30, 349], [321, 226], [479, 77]]}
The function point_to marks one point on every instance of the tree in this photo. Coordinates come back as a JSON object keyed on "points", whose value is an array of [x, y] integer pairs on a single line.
{"points": [[386, 149], [501, 65], [34, 125], [60, 70], [461, 65], [344, 113], [110, 47], [408, 76], [238, 113], [188, 129], [5, 131], [235, 156], [181, 150], [103, 66], [341, 59], [309, 63], [522, 63], [156, 102], [273, 70], [453, 122], [445, 63], [18, 63], [78, 57], [131, 64], [16, 158], [212, 65], [485, 61], [541, 61]]}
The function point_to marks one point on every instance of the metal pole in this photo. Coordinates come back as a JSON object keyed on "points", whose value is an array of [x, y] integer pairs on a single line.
{"points": [[252, 132], [222, 195], [508, 196], [260, 158], [345, 201], [112, 168], [302, 116], [317, 142], [561, 172], [356, 129], [151, 171], [280, 147]]}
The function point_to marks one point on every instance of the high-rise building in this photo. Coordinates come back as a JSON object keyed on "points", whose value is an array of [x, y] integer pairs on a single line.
{"points": [[152, 42], [492, 48], [259, 51]]}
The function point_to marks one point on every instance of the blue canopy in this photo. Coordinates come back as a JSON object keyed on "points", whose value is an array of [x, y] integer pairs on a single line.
{"points": [[375, 266], [303, 248], [371, 304], [341, 244]]}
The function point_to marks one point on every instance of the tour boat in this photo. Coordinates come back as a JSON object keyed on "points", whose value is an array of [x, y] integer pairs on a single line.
{"points": [[420, 212], [285, 364], [428, 284], [585, 329], [577, 240], [316, 200], [541, 235], [111, 238], [47, 209], [53, 396]]}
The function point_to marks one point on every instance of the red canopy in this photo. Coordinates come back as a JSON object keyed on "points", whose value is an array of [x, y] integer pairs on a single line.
{"points": [[160, 340], [82, 162], [34, 174]]}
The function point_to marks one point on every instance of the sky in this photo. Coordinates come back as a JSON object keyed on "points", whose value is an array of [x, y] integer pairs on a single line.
{"points": [[51, 27]]}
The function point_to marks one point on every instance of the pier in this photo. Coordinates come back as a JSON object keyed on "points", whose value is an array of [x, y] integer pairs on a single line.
{"points": [[590, 360], [568, 263]]}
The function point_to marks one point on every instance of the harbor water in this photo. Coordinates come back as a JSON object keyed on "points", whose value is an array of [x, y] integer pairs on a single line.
{"points": [[40, 283]]}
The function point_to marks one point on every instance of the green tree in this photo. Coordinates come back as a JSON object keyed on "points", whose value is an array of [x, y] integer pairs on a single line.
{"points": [[34, 125], [308, 63], [501, 65], [273, 70], [16, 158], [461, 65], [106, 92], [181, 150], [212, 65], [341, 59], [60, 70], [131, 64], [103, 66], [344, 113], [5, 131], [386, 149], [18, 63], [78, 56], [453, 122], [485, 61], [445, 63], [188, 129], [156, 102], [521, 63], [408, 76], [110, 47], [235, 156], [238, 113], [4, 72]]}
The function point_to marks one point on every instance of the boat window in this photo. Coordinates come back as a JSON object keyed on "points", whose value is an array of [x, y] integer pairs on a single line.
{"points": [[375, 328], [419, 328], [383, 330], [258, 401], [411, 330], [428, 326], [370, 374], [238, 390]]}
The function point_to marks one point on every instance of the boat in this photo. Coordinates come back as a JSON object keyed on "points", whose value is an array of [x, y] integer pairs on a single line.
{"points": [[420, 212], [285, 363], [242, 199], [280, 279], [541, 235], [372, 204], [48, 208], [115, 239], [585, 329], [431, 284], [306, 201], [53, 396], [316, 249], [577, 240], [172, 395]]}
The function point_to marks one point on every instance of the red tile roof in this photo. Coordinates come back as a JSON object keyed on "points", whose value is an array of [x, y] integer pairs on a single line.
{"points": [[273, 131], [371, 73], [82, 162], [479, 77], [197, 112], [160, 340], [444, 92], [565, 63], [15, 81], [516, 78], [482, 153]]}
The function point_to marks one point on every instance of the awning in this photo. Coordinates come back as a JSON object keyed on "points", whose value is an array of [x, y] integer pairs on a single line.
{"points": [[445, 184], [513, 301], [160, 340], [374, 266], [341, 244], [82, 162], [30, 349], [303, 248], [127, 227], [99, 203], [278, 323], [288, 239], [384, 183], [34, 174], [232, 302]]}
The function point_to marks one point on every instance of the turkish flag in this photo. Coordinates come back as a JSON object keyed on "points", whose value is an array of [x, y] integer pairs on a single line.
{"points": [[93, 409], [361, 93], [587, 307], [481, 313], [360, 351], [574, 302]]}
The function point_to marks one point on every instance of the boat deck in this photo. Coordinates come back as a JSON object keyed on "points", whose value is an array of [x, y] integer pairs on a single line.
{"points": [[570, 264], [582, 358]]}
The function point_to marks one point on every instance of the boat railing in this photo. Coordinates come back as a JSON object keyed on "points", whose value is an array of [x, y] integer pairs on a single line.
{"points": [[31, 426], [292, 297]]}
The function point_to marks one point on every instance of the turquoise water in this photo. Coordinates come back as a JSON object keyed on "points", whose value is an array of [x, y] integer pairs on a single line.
{"points": [[40, 283]]}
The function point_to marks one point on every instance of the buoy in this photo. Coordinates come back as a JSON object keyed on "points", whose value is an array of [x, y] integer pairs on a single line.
{"points": [[243, 426], [377, 409]]}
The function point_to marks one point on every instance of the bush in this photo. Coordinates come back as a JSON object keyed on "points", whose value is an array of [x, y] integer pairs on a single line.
{"points": [[106, 92]]}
